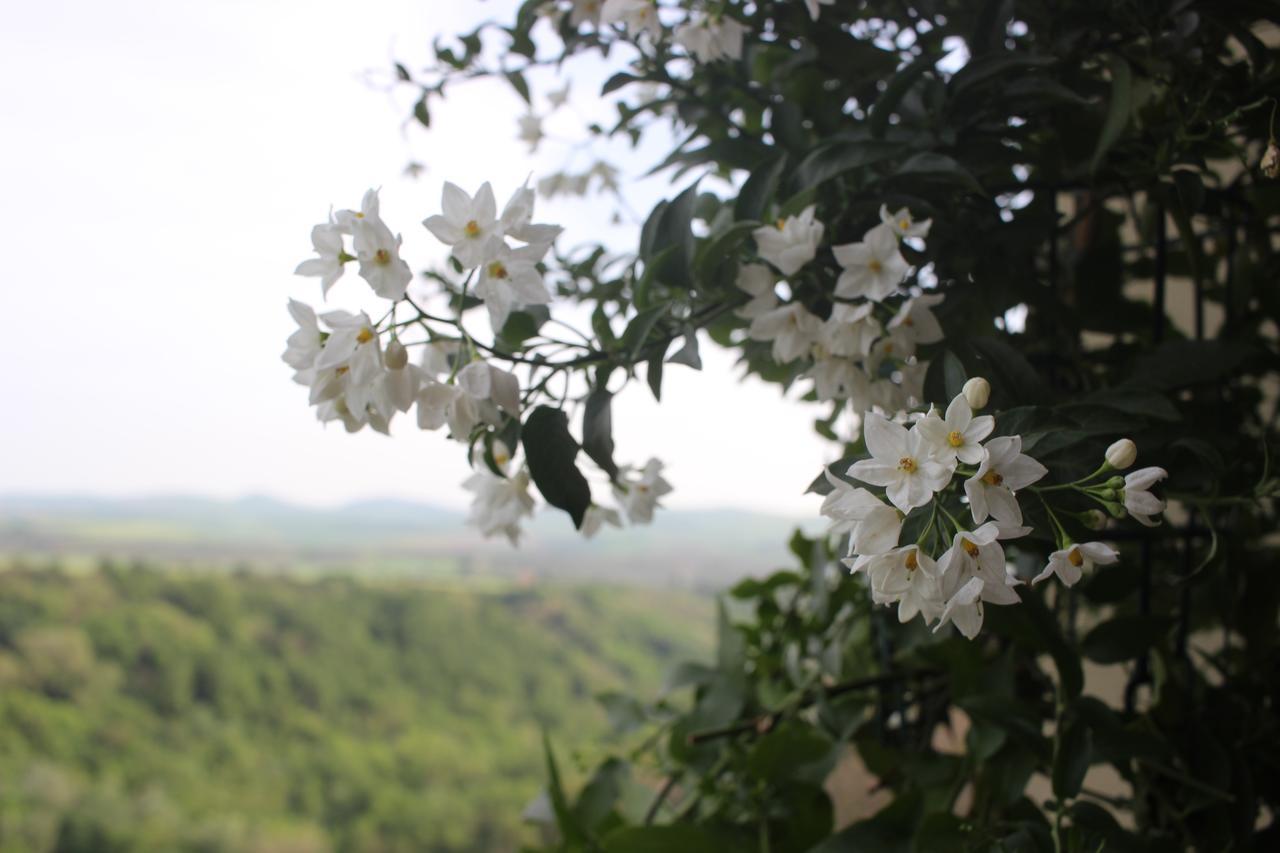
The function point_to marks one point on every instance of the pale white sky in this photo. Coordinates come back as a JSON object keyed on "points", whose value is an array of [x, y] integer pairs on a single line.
{"points": [[164, 163]]}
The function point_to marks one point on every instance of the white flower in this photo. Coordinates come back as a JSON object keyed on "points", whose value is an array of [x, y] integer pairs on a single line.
{"points": [[850, 330], [596, 517], [758, 281], [790, 243], [1122, 454], [481, 390], [346, 220], [874, 526], [350, 333], [977, 391], [974, 571], [902, 223], [899, 462], [1003, 471], [791, 328], [517, 221], [558, 97], [915, 319], [638, 16], [466, 223], [530, 130], [873, 268], [1137, 497], [378, 251], [958, 435], [1070, 563], [639, 496], [304, 345], [838, 378], [499, 503], [510, 277], [812, 6], [907, 576], [711, 37], [331, 257], [585, 11], [482, 381]]}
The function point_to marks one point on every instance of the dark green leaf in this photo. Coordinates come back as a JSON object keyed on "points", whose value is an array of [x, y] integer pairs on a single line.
{"points": [[758, 190], [1123, 638], [1119, 108], [829, 161], [1072, 761], [597, 430], [517, 81], [550, 451], [893, 94]]}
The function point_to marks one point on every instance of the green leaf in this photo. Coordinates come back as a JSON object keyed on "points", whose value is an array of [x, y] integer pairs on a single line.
{"points": [[934, 166], [550, 451], [565, 820], [601, 794], [597, 430], [787, 751], [756, 193], [718, 250], [1013, 380], [617, 81], [517, 81], [1119, 108], [731, 646], [1123, 638], [653, 374], [1075, 749], [421, 113], [897, 89], [682, 838], [828, 161], [637, 332], [688, 354]]}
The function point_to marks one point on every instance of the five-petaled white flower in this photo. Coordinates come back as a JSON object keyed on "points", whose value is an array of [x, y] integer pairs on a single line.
{"points": [[1004, 470], [873, 526], [638, 16], [915, 319], [331, 257], [500, 502], [790, 243], [378, 251], [1137, 497], [509, 278], [958, 435], [1070, 563], [711, 37], [758, 281], [638, 496], [906, 576], [899, 462], [873, 268], [791, 328], [902, 223], [466, 223], [596, 517], [304, 345]]}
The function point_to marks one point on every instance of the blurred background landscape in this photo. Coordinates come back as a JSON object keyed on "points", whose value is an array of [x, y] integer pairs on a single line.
{"points": [[179, 673]]}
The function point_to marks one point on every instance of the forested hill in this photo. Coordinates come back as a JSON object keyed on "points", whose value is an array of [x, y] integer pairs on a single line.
{"points": [[188, 711]]}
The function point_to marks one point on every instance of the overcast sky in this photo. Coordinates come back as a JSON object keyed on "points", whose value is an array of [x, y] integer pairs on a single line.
{"points": [[163, 165]]}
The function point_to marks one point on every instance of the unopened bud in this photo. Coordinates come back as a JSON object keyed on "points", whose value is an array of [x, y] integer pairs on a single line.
{"points": [[1116, 483], [1270, 165], [1108, 494], [1122, 454], [1116, 510], [977, 391], [396, 356], [1094, 519]]}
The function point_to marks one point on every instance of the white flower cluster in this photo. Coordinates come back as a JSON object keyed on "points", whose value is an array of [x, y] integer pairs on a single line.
{"points": [[918, 466], [855, 356], [359, 372]]}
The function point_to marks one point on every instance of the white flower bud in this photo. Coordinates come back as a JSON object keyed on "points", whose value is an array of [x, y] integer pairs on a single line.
{"points": [[976, 392], [1094, 519], [1270, 165], [396, 356], [1122, 454]]}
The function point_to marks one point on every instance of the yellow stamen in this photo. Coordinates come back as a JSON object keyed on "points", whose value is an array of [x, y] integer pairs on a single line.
{"points": [[364, 337], [955, 439], [904, 224], [1074, 558], [969, 547], [382, 257], [912, 562], [472, 229], [992, 478], [342, 370], [874, 265], [497, 270], [907, 464], [781, 224]]}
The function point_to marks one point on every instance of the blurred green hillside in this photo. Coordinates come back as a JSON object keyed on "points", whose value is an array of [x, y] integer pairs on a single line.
{"points": [[145, 709]]}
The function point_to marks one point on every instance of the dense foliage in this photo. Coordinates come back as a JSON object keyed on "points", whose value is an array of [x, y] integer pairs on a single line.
{"points": [[1097, 176], [152, 710]]}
